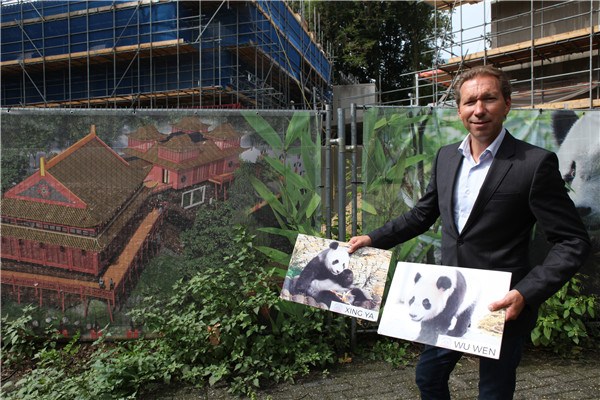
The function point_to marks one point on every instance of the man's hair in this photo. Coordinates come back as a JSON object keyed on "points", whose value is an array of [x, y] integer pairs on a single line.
{"points": [[469, 74]]}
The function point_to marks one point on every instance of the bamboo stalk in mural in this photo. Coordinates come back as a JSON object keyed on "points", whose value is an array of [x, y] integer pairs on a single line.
{"points": [[293, 198], [398, 146]]}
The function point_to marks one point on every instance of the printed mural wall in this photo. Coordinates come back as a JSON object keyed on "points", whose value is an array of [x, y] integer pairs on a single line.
{"points": [[103, 208]]}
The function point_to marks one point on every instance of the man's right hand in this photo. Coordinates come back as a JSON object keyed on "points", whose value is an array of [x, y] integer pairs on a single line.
{"points": [[357, 242]]}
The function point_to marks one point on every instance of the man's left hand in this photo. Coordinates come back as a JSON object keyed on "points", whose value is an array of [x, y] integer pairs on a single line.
{"points": [[514, 302]]}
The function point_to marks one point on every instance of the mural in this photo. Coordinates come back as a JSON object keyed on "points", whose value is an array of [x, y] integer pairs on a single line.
{"points": [[102, 208], [400, 143]]}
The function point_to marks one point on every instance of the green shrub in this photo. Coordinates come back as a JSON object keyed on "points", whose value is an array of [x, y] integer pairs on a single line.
{"points": [[47, 383], [227, 324], [561, 320], [393, 351]]}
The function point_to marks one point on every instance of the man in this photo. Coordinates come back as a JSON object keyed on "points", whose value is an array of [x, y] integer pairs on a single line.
{"points": [[490, 190]]}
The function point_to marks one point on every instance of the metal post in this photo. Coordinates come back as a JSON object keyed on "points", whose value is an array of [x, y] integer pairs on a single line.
{"points": [[591, 59], [341, 182], [531, 54], [341, 176], [417, 88], [354, 166], [328, 116]]}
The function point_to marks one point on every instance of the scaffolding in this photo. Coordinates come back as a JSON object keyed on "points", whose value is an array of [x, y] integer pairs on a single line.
{"points": [[160, 54], [548, 48]]}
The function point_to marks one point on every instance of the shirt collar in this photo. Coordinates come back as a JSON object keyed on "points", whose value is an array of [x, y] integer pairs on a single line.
{"points": [[465, 145]]}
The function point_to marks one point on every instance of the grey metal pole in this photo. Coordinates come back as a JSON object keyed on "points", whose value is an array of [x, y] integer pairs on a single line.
{"points": [[354, 182], [354, 166], [328, 116], [591, 59], [341, 176]]}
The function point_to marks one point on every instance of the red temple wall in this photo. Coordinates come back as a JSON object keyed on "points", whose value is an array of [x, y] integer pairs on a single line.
{"points": [[45, 254]]}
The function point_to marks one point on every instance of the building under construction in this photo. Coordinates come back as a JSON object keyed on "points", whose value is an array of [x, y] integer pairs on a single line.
{"points": [[549, 49], [160, 54]]}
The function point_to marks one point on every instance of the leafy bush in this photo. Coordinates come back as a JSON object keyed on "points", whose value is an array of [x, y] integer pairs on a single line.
{"points": [[393, 351], [561, 319], [46, 383], [227, 324]]}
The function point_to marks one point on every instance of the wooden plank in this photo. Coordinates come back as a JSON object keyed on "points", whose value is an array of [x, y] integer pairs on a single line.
{"points": [[99, 53], [579, 104], [79, 13], [449, 4], [526, 45]]}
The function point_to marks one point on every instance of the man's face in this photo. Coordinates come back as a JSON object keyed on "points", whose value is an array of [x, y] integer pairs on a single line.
{"points": [[482, 107]]}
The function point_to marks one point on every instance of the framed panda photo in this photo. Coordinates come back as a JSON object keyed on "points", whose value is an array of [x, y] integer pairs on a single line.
{"points": [[323, 274], [446, 307]]}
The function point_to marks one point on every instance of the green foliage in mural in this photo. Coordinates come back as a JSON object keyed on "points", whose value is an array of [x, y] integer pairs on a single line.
{"points": [[399, 145], [534, 127], [209, 240], [292, 197]]}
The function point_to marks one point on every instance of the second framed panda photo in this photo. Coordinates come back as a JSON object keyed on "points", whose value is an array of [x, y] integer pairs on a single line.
{"points": [[323, 274], [446, 307]]}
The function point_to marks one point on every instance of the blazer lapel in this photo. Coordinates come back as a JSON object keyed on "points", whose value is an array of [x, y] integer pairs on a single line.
{"points": [[500, 166]]}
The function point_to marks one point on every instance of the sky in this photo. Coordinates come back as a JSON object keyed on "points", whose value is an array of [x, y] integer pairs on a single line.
{"points": [[472, 27]]}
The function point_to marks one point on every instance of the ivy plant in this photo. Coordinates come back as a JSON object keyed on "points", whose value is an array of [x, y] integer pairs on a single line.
{"points": [[561, 320]]}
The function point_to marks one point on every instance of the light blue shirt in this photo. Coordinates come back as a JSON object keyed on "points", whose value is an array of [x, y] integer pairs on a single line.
{"points": [[471, 177]]}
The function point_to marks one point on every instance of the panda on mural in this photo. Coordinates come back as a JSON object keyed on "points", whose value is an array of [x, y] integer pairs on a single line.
{"points": [[579, 162], [443, 303], [326, 278], [578, 138]]}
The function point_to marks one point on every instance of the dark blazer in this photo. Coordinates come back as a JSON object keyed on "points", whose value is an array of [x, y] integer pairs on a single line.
{"points": [[523, 187]]}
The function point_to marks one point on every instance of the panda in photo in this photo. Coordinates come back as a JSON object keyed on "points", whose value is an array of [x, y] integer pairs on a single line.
{"points": [[326, 278], [440, 302]]}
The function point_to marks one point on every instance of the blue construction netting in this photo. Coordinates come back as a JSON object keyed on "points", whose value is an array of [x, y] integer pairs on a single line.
{"points": [[40, 29], [289, 30], [87, 31]]}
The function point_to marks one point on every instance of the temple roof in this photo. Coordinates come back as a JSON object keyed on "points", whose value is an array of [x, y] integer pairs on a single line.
{"points": [[209, 152], [224, 132], [84, 186], [147, 132], [190, 124]]}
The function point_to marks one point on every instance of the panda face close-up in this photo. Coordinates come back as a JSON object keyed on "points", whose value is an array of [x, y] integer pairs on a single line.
{"points": [[429, 296], [579, 163], [336, 258]]}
